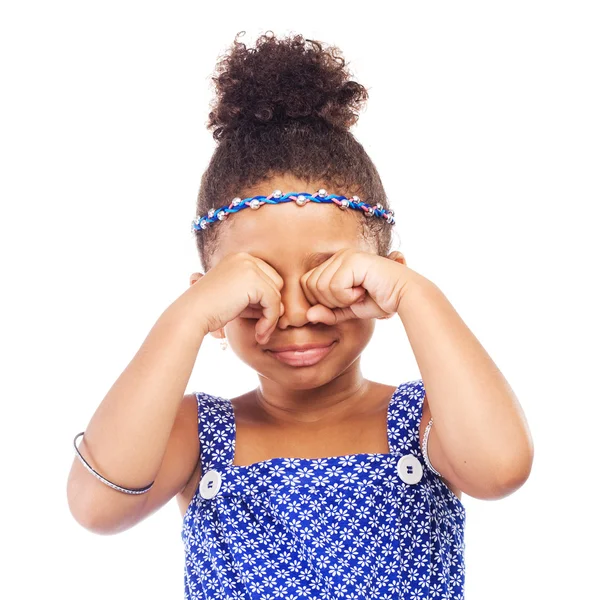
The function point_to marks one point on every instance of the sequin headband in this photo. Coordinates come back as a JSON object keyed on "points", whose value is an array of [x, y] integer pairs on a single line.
{"points": [[301, 198]]}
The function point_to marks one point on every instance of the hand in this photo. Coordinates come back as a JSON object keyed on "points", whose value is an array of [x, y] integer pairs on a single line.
{"points": [[355, 285], [241, 285]]}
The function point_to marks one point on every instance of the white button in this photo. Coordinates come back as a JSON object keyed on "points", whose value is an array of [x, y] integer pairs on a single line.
{"points": [[210, 484], [410, 469]]}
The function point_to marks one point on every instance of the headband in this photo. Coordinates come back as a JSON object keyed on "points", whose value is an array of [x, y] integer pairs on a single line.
{"points": [[301, 198]]}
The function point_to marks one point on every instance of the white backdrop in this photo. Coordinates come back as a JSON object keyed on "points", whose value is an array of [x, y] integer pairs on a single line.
{"points": [[483, 121]]}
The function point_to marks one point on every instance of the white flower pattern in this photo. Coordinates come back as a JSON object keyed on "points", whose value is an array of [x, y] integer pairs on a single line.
{"points": [[337, 527]]}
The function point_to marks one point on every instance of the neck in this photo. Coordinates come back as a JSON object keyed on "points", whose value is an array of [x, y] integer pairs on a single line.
{"points": [[333, 400]]}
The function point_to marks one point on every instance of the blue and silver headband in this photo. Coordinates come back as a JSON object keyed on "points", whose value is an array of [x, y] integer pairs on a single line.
{"points": [[301, 198]]}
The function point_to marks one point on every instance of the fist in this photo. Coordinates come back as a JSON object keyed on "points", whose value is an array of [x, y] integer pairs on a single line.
{"points": [[356, 285]]}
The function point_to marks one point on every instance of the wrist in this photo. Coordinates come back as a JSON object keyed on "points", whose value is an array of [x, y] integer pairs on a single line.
{"points": [[414, 291], [185, 316]]}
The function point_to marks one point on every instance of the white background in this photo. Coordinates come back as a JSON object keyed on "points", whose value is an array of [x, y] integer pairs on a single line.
{"points": [[483, 121]]}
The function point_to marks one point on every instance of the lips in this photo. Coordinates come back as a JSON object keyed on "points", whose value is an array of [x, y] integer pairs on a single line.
{"points": [[302, 355], [300, 347]]}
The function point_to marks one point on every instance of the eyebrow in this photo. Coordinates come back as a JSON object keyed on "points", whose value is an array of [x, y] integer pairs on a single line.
{"points": [[311, 260], [315, 258]]}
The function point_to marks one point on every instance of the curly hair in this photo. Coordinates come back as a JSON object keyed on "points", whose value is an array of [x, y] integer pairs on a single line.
{"points": [[285, 106]]}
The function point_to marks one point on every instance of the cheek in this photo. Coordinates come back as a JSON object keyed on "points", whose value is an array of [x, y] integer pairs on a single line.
{"points": [[357, 331], [241, 337], [241, 330]]}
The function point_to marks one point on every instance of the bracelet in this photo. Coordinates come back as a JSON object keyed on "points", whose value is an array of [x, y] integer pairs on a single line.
{"points": [[424, 448], [106, 481]]}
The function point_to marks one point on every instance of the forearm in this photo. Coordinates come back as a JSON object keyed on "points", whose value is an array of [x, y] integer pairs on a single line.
{"points": [[127, 436], [478, 419]]}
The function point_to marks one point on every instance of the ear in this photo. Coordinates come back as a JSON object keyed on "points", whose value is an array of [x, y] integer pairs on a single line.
{"points": [[220, 333], [195, 277], [397, 256]]}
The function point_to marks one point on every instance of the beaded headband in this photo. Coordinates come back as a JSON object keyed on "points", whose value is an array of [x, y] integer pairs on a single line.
{"points": [[301, 198]]}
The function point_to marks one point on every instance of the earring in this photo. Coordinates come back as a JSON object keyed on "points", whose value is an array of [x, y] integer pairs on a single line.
{"points": [[223, 342]]}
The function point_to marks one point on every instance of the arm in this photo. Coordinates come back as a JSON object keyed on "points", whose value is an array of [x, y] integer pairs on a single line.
{"points": [[480, 440], [143, 422]]}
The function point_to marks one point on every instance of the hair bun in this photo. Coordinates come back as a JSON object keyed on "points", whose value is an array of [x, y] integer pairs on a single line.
{"points": [[280, 80]]}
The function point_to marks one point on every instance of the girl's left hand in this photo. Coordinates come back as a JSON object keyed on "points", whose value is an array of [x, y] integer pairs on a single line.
{"points": [[356, 285]]}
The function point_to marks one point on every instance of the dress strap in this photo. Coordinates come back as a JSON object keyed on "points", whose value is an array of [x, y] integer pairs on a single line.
{"points": [[404, 418], [216, 431]]}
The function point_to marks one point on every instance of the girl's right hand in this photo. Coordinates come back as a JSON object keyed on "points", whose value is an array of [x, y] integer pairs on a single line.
{"points": [[240, 285]]}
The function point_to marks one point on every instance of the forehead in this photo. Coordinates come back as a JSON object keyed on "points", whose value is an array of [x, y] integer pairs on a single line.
{"points": [[286, 235]]}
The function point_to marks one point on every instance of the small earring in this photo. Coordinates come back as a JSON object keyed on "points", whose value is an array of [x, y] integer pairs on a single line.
{"points": [[223, 342]]}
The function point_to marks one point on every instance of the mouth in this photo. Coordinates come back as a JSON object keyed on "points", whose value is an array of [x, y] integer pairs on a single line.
{"points": [[309, 355]]}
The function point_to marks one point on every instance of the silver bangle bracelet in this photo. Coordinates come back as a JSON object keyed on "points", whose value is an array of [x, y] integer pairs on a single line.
{"points": [[424, 448], [104, 480]]}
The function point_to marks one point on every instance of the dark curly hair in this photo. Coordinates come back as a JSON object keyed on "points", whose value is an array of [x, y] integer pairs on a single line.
{"points": [[285, 106]]}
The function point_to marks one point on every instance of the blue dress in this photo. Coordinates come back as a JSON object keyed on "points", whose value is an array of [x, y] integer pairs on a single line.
{"points": [[358, 526]]}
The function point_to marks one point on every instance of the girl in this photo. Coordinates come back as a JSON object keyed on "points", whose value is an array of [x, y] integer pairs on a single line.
{"points": [[318, 483]]}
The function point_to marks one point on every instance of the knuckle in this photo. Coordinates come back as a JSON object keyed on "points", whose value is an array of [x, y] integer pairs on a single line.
{"points": [[322, 286], [273, 294]]}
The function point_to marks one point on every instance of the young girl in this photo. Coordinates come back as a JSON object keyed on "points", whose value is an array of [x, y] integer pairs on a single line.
{"points": [[318, 483]]}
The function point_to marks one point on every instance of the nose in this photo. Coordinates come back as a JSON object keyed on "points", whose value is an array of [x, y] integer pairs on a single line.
{"points": [[295, 305]]}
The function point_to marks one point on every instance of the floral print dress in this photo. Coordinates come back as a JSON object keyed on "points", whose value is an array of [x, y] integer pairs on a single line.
{"points": [[359, 526]]}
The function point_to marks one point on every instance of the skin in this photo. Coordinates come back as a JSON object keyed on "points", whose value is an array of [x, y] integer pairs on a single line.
{"points": [[335, 387], [327, 409]]}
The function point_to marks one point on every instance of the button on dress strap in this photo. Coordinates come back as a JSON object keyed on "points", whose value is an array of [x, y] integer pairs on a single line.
{"points": [[216, 432], [404, 418]]}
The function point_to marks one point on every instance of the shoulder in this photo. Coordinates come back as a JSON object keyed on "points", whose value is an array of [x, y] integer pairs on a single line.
{"points": [[189, 408], [434, 451], [187, 418], [191, 414]]}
